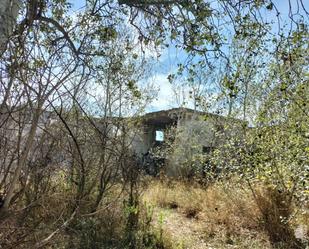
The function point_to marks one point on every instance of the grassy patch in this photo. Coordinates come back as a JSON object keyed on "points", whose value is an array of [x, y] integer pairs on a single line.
{"points": [[220, 215], [226, 214]]}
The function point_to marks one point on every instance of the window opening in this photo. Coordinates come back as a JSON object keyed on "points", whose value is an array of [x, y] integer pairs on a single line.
{"points": [[207, 149], [159, 136]]}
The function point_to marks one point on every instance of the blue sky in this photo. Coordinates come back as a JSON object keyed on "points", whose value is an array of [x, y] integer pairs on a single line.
{"points": [[167, 62]]}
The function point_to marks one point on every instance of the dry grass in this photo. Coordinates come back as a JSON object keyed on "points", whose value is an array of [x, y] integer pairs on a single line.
{"points": [[221, 216], [225, 215], [219, 203], [277, 208]]}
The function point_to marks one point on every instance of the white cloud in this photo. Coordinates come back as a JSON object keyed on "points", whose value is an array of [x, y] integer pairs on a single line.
{"points": [[165, 93], [169, 95]]}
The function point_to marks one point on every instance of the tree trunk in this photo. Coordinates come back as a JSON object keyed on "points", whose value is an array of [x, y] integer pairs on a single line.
{"points": [[8, 15], [22, 160]]}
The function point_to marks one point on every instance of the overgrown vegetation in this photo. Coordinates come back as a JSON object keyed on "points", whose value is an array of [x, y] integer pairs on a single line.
{"points": [[226, 213], [74, 81]]}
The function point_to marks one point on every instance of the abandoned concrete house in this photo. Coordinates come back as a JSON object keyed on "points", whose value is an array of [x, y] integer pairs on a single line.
{"points": [[196, 132]]}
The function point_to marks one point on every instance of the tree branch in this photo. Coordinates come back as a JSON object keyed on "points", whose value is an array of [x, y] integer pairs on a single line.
{"points": [[62, 30]]}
